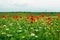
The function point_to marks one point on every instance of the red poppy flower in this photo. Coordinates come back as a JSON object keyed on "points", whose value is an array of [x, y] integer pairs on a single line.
{"points": [[43, 15], [4, 16], [27, 17], [38, 17], [48, 18], [16, 17], [20, 16], [32, 19], [49, 22]]}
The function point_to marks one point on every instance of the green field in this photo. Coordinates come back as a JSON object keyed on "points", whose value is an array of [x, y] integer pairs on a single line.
{"points": [[29, 26]]}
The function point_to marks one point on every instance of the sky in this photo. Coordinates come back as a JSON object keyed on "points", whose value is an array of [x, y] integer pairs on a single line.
{"points": [[30, 5]]}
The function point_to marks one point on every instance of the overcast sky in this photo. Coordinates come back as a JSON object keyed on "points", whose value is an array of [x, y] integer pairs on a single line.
{"points": [[30, 5]]}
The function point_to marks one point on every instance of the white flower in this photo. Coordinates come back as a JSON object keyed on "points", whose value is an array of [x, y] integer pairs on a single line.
{"points": [[31, 28], [23, 36], [9, 35], [45, 28], [51, 23], [7, 28], [57, 30], [18, 24], [11, 24], [19, 31], [36, 36], [32, 34], [36, 30], [20, 28], [3, 33], [43, 23], [4, 25], [40, 27]]}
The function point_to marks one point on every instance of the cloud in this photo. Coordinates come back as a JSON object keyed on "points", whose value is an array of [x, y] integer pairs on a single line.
{"points": [[29, 5]]}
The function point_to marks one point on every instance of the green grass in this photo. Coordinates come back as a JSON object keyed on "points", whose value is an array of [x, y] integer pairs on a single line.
{"points": [[10, 29]]}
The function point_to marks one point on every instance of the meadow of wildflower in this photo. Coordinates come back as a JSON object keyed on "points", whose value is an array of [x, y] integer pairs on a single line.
{"points": [[29, 26]]}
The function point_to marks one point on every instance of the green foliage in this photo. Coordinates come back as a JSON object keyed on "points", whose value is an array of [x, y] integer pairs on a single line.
{"points": [[10, 29]]}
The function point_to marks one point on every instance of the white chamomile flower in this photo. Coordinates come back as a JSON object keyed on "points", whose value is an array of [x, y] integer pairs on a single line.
{"points": [[18, 24], [57, 30], [19, 31], [36, 36], [9, 35], [11, 24], [20, 28], [3, 33], [36, 30], [51, 23], [43, 23], [45, 28], [4, 25], [7, 28], [23, 36], [32, 34], [40, 27], [31, 28]]}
